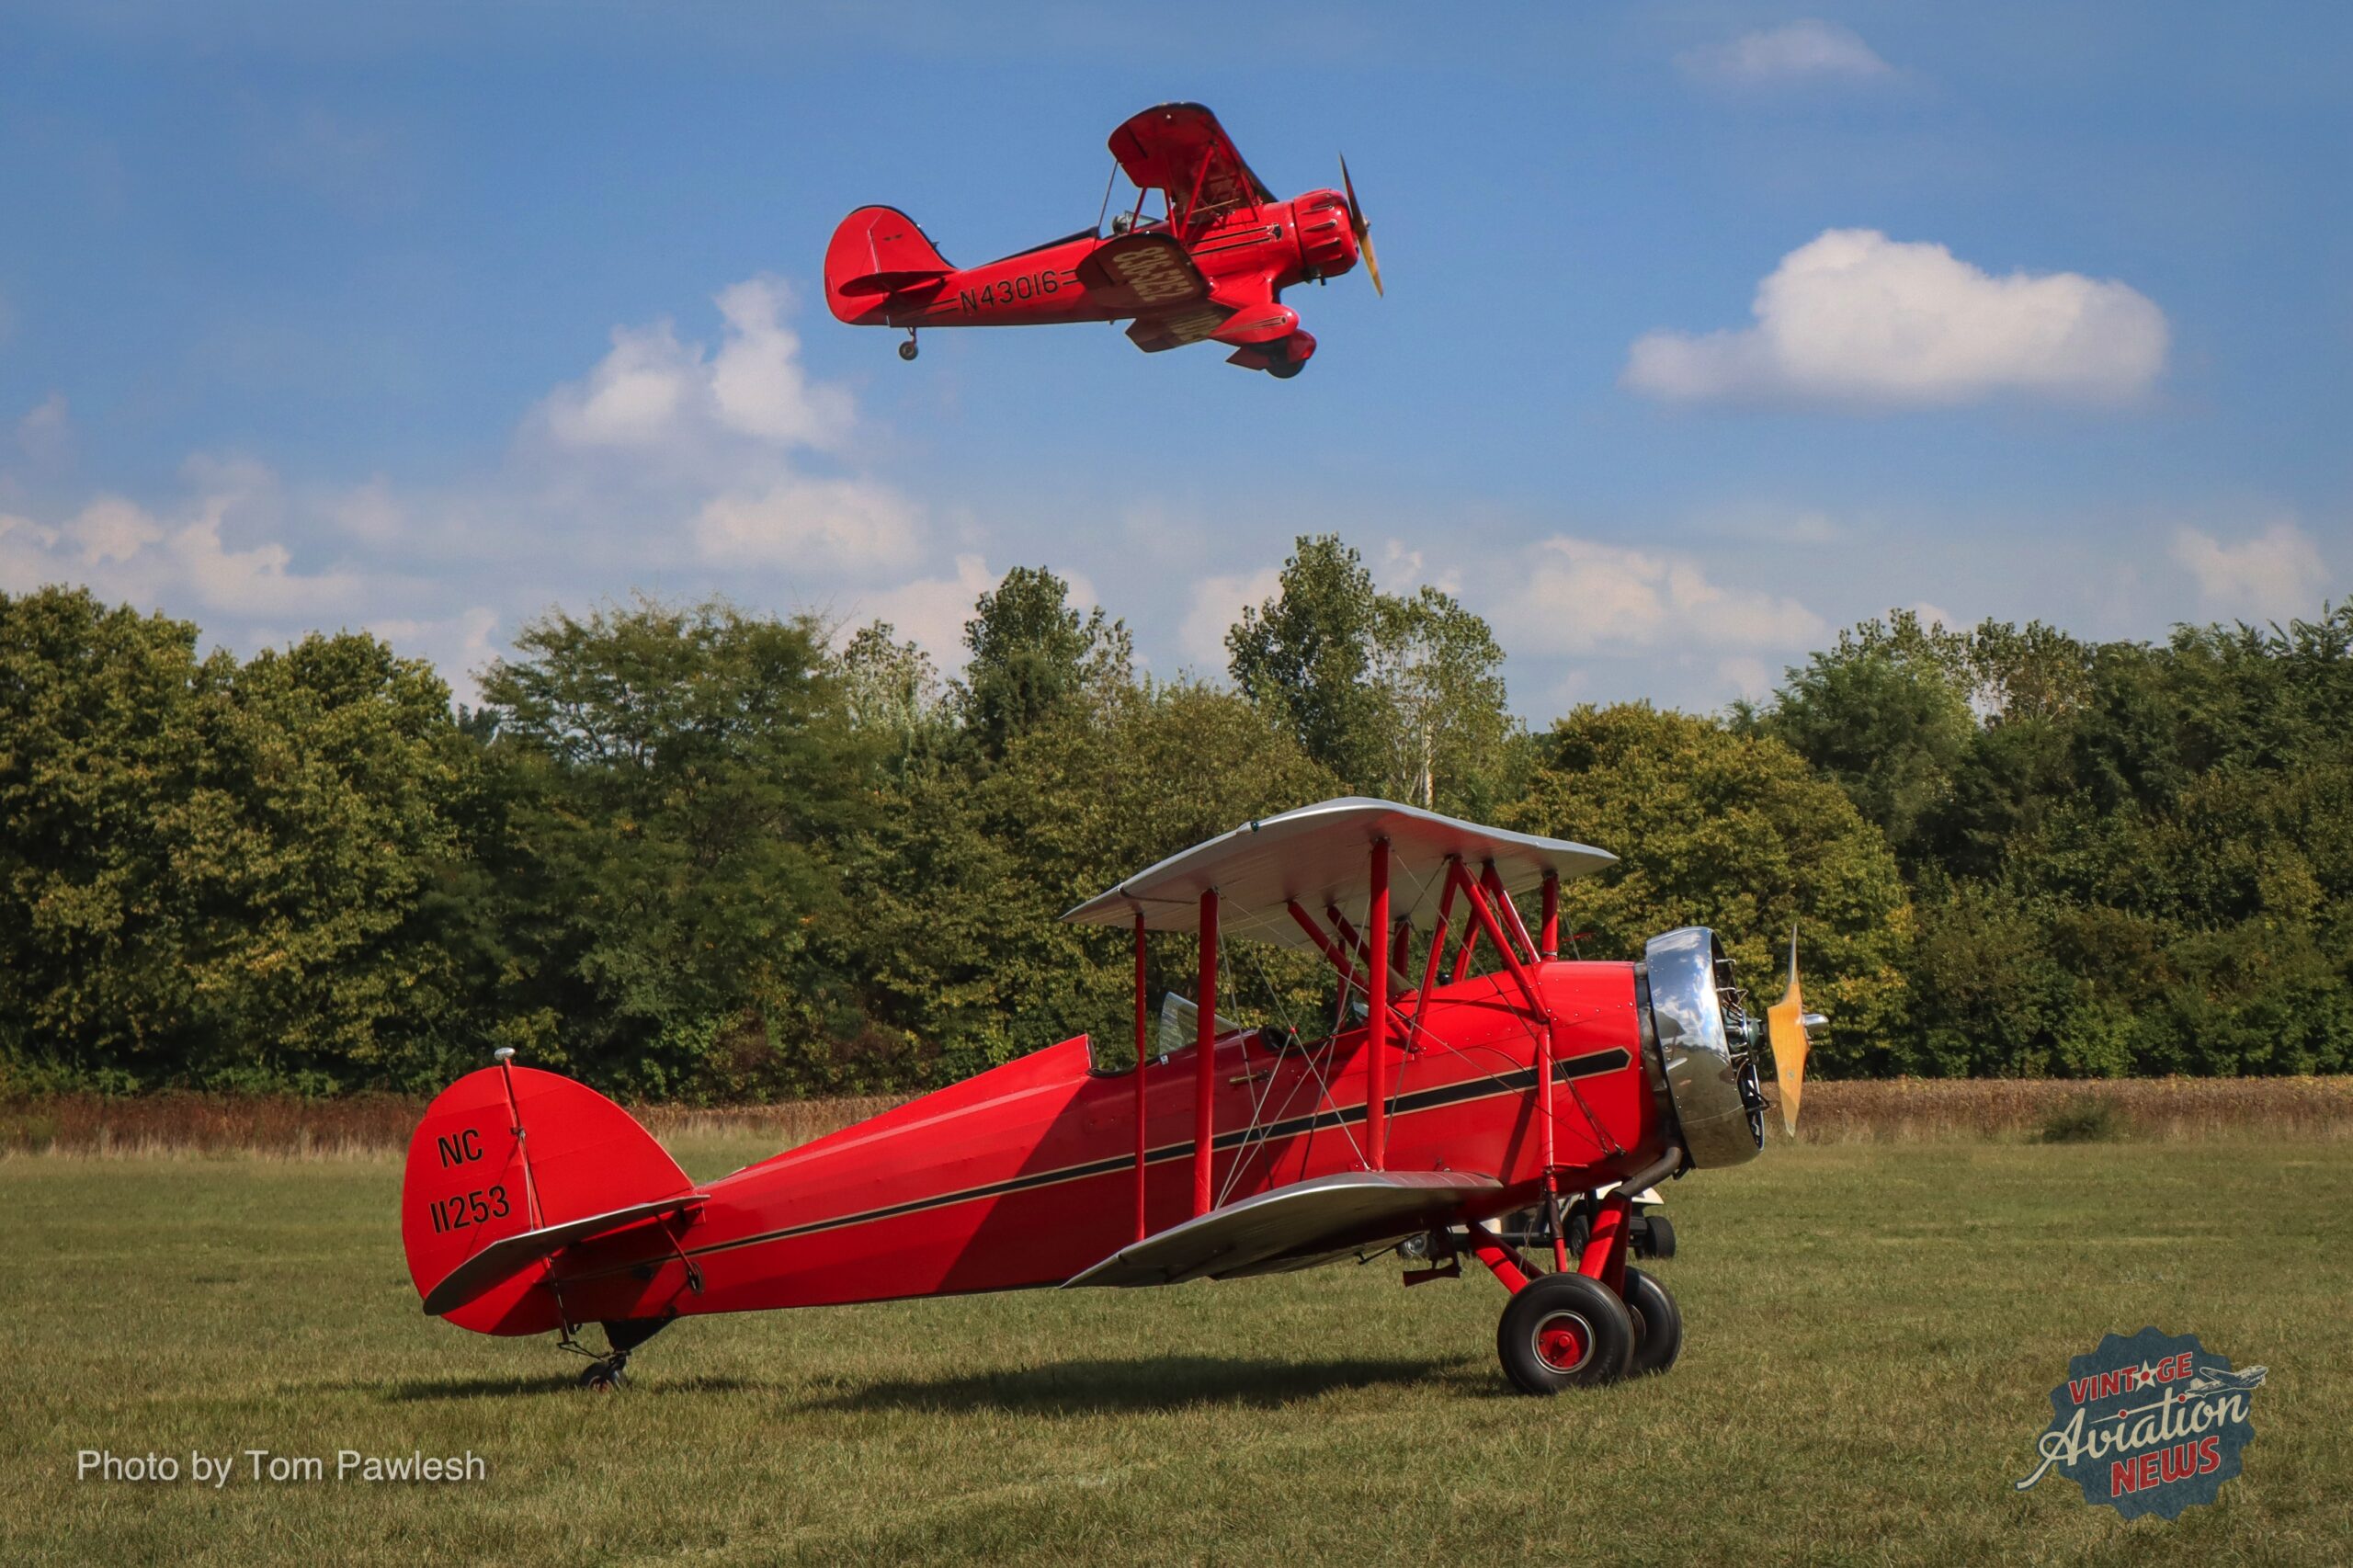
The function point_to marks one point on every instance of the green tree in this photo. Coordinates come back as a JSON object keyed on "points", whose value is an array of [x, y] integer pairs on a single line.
{"points": [[222, 875], [1886, 713], [1448, 740], [1731, 831], [1305, 658], [1032, 653], [679, 775], [1400, 696]]}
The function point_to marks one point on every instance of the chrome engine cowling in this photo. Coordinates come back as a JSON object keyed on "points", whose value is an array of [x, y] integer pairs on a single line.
{"points": [[1702, 1047]]}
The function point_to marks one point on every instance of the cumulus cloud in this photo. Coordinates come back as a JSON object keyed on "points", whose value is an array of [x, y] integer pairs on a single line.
{"points": [[180, 562], [1795, 53], [46, 434], [460, 645], [1217, 604], [651, 390], [1856, 318], [832, 525], [2267, 576], [1580, 596], [932, 611]]}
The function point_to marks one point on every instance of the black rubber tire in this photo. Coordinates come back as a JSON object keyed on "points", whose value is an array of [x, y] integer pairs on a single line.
{"points": [[603, 1377], [1659, 1325], [1657, 1236], [1608, 1330], [1284, 369], [907, 351]]}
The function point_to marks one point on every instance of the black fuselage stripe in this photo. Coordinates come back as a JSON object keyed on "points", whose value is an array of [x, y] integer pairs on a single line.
{"points": [[1586, 1066]]}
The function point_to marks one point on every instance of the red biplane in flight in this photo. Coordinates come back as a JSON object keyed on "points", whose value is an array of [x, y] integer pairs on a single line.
{"points": [[1212, 263], [1470, 1074]]}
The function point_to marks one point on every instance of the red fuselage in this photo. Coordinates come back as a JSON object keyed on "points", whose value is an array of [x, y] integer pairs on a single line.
{"points": [[1245, 257], [1025, 1175]]}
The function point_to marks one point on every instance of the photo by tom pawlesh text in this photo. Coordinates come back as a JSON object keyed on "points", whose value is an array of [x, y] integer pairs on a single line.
{"points": [[217, 1470]]}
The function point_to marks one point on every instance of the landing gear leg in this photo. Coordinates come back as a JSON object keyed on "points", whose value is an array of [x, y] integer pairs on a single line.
{"points": [[607, 1373], [908, 350]]}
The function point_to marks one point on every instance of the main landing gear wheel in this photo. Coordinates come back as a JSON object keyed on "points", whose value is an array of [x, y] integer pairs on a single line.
{"points": [[1659, 1325], [1284, 369], [1565, 1331]]}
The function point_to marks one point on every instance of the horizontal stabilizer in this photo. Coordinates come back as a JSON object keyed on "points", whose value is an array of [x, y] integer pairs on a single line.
{"points": [[504, 1259], [1296, 1226]]}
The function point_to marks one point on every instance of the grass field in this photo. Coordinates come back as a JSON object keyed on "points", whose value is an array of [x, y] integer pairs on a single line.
{"points": [[1874, 1329]]}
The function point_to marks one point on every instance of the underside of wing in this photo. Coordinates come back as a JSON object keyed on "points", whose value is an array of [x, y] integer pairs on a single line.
{"points": [[1174, 329], [1181, 151], [1296, 1226], [1142, 275]]}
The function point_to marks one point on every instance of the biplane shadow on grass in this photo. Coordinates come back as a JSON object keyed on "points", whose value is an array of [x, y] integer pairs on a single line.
{"points": [[533, 1205], [1212, 267]]}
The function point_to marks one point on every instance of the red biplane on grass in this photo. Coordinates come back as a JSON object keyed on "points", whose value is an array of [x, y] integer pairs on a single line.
{"points": [[1464, 1094], [1213, 265]]}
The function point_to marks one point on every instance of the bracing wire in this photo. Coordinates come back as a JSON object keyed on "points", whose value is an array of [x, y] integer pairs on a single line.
{"points": [[1105, 210]]}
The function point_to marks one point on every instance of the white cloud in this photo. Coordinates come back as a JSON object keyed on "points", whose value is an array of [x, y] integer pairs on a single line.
{"points": [[757, 381], [1746, 675], [1218, 603], [122, 550], [1854, 317], [1577, 596], [1935, 616], [932, 610], [832, 525], [2268, 576], [1794, 53], [651, 391], [369, 513], [459, 645], [635, 396], [46, 435]]}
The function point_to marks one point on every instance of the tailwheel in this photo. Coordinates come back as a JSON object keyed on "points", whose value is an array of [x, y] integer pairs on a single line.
{"points": [[1659, 1325], [1565, 1331], [907, 351], [605, 1376]]}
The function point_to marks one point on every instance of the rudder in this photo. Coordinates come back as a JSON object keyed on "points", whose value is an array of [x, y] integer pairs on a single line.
{"points": [[876, 251], [474, 1181]]}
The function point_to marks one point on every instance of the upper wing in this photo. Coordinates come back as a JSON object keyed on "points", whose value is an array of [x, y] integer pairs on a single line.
{"points": [[1295, 1226], [1182, 151]]}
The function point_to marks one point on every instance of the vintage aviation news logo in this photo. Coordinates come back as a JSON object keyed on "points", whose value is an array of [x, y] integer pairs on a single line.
{"points": [[2148, 1425]]}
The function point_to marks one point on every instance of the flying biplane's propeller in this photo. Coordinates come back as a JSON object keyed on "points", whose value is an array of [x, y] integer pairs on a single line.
{"points": [[1363, 229], [1787, 1021]]}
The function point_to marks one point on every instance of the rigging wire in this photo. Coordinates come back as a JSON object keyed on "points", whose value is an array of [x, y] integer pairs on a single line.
{"points": [[1105, 210]]}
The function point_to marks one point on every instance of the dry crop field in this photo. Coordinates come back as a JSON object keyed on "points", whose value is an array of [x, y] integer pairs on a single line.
{"points": [[1835, 1112], [1875, 1325]]}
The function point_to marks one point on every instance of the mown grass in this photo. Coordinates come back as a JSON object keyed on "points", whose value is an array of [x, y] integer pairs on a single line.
{"points": [[1874, 1329]]}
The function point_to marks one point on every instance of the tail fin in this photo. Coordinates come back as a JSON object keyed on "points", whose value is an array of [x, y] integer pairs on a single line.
{"points": [[875, 252], [510, 1165]]}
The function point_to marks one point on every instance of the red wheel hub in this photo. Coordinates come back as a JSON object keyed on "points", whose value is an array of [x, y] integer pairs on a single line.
{"points": [[1563, 1342]]}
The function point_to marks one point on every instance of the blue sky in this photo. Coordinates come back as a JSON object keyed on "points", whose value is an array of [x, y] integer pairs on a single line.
{"points": [[1711, 328]]}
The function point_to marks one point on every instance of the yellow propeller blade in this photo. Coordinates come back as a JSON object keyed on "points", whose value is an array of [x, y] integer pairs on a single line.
{"points": [[1787, 1022], [1363, 229]]}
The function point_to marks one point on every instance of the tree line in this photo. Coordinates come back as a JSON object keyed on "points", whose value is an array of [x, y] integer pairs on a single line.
{"points": [[690, 852]]}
